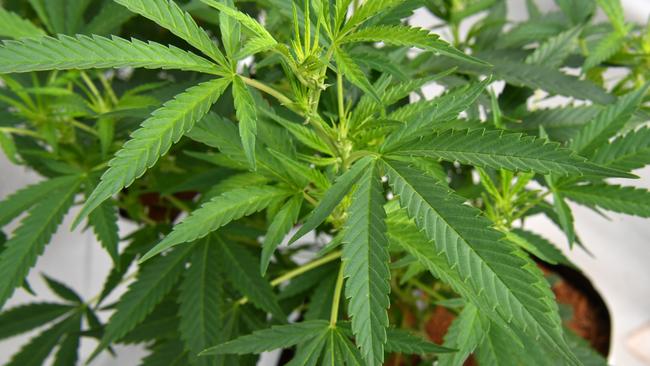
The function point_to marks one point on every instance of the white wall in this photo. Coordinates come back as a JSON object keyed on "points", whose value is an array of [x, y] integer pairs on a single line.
{"points": [[619, 268]]}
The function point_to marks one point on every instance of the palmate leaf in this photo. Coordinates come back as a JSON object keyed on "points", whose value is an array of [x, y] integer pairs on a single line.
{"points": [[627, 200], [168, 353], [538, 246], [422, 117], [24, 318], [104, 223], [168, 14], [498, 347], [29, 239], [555, 50], [365, 265], [247, 116], [577, 10], [154, 281], [244, 19], [368, 10], [499, 150], [13, 26], [365, 257], [39, 348], [608, 122], [153, 139], [400, 35], [494, 269], [614, 11], [21, 200], [241, 268], [279, 228], [309, 353], [95, 52], [109, 18], [465, 334], [628, 152], [404, 342], [201, 296], [351, 70], [216, 213], [279, 336], [68, 352], [332, 197], [544, 78], [62, 290], [604, 49]]}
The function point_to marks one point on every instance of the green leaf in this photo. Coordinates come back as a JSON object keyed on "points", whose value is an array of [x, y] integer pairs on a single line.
{"points": [[309, 353], [278, 229], [168, 353], [241, 268], [216, 213], [365, 265], [465, 334], [564, 215], [68, 353], [500, 348], [154, 281], [351, 70], [421, 118], [108, 19], [201, 299], [627, 200], [500, 150], [544, 78], [21, 200], [62, 290], [400, 35], [168, 14], [404, 342], [24, 318], [583, 350], [36, 351], [604, 50], [96, 52], [494, 269], [614, 11], [332, 197], [104, 223], [29, 239], [628, 152], [304, 134], [608, 122], [13, 26], [230, 32], [247, 116], [577, 10], [555, 50], [538, 246], [244, 19], [153, 139], [279, 336], [368, 10]]}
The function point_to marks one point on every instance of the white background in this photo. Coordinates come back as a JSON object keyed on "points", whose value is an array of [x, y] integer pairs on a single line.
{"points": [[620, 266]]}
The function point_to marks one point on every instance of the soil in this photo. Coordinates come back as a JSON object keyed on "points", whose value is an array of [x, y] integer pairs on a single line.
{"points": [[589, 315], [590, 318]]}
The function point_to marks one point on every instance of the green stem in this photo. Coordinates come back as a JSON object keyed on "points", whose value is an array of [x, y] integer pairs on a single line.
{"points": [[20, 131], [268, 90], [341, 103], [298, 271], [426, 289], [93, 89], [337, 298]]}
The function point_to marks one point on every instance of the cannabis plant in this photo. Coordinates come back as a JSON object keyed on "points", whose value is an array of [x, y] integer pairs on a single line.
{"points": [[311, 114]]}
